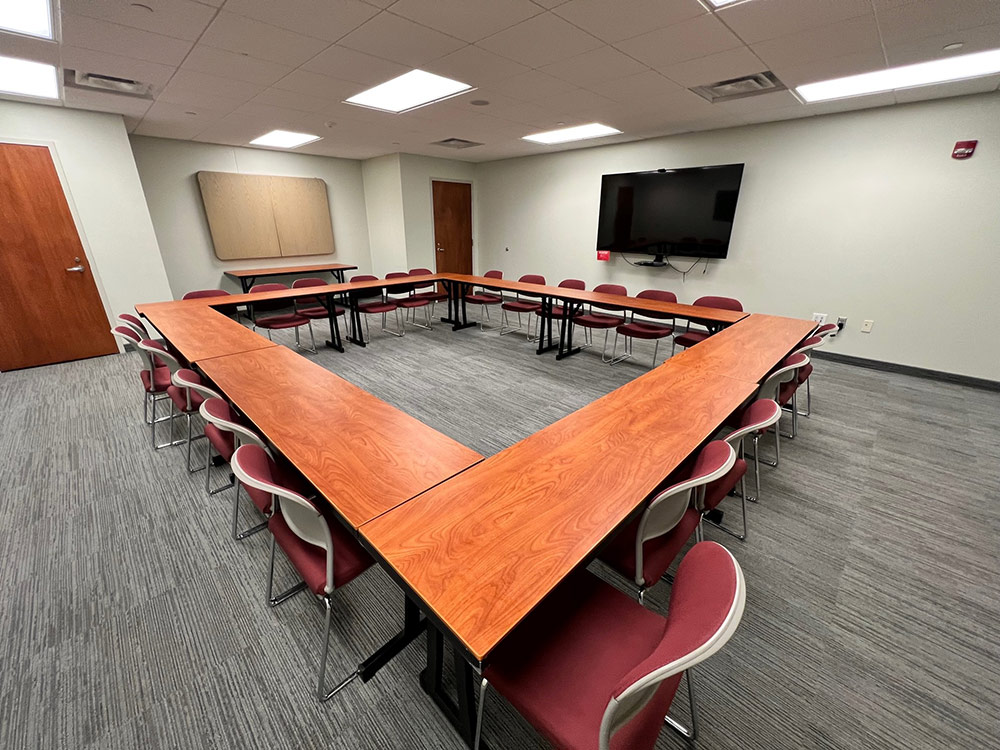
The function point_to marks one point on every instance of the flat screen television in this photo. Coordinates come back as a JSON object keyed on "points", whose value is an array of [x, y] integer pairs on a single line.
{"points": [[670, 212]]}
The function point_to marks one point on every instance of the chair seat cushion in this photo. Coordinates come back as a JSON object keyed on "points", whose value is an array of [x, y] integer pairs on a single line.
{"points": [[483, 299], [179, 397], [412, 302], [319, 312], [558, 311], [222, 440], [787, 390], [716, 492], [805, 372], [432, 296], [277, 322], [657, 554], [520, 306], [691, 338], [595, 320], [349, 559], [160, 379], [645, 330], [374, 308], [561, 666]]}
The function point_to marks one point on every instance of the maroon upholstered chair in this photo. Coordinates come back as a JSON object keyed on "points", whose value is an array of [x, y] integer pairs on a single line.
{"points": [[813, 342], [601, 320], [590, 668], [557, 310], [408, 301], [155, 377], [279, 321], [781, 386], [827, 329], [187, 391], [520, 305], [313, 308], [160, 360], [431, 292], [640, 328], [202, 293], [380, 305], [324, 554], [485, 298], [753, 422], [135, 323], [689, 337]]}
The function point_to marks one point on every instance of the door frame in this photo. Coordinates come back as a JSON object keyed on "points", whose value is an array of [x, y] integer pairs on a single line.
{"points": [[74, 212], [475, 219]]}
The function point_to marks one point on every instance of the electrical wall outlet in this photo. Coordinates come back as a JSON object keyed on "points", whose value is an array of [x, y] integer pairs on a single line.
{"points": [[867, 327], [819, 318], [841, 322]]}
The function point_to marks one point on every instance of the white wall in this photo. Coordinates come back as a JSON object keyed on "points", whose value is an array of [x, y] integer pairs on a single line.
{"points": [[863, 214], [169, 168], [384, 204], [93, 154], [416, 174]]}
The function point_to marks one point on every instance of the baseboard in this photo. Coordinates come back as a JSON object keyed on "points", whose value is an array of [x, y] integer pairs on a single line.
{"points": [[917, 372]]}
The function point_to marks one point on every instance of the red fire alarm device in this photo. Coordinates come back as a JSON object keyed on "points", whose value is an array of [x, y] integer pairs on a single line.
{"points": [[964, 149], [604, 255]]}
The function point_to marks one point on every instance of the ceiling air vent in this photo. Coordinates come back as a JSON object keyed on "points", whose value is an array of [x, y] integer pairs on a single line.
{"points": [[456, 143], [112, 84], [740, 88]]}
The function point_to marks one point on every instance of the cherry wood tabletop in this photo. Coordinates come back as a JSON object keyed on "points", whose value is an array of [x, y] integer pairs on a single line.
{"points": [[692, 312], [748, 350], [363, 455], [198, 332], [312, 291], [254, 272], [485, 547]]}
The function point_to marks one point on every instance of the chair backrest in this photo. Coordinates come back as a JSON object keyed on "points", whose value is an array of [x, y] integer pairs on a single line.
{"points": [[706, 605], [307, 282], [255, 468], [668, 507], [812, 342], [133, 322], [826, 329], [189, 380], [268, 305], [531, 278], [158, 354], [573, 284], [610, 289], [408, 289], [660, 295], [761, 414], [368, 294], [720, 303], [216, 411], [493, 274], [785, 372], [128, 335], [422, 272], [199, 293]]}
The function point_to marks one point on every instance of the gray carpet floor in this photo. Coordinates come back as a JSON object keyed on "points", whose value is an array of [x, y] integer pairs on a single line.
{"points": [[132, 620]]}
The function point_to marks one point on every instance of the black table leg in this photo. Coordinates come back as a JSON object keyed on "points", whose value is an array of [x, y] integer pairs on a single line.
{"points": [[457, 312], [452, 289], [413, 626], [356, 337], [566, 333], [461, 714], [546, 315], [335, 343], [246, 282], [339, 275]]}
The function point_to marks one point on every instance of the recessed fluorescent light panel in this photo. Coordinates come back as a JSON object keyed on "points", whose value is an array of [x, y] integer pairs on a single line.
{"points": [[577, 133], [284, 139], [31, 17], [720, 3], [28, 78], [904, 77], [409, 91]]}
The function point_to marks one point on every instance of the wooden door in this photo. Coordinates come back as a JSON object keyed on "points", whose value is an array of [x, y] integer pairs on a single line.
{"points": [[452, 226], [50, 309]]}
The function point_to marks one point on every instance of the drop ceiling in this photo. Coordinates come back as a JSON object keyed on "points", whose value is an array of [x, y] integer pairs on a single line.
{"points": [[227, 71]]}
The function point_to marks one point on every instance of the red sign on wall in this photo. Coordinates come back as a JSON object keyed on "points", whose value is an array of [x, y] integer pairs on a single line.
{"points": [[604, 255], [964, 149]]}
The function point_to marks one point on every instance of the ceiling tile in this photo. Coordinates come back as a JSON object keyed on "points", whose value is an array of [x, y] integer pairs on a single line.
{"points": [[540, 41], [701, 36], [318, 85], [922, 18], [393, 38], [101, 101], [209, 85], [257, 39], [855, 36], [475, 66], [198, 100], [323, 19], [641, 88], [721, 66], [927, 48], [174, 121], [615, 20], [351, 65], [289, 100], [579, 103], [181, 19], [90, 61], [220, 62], [466, 20], [599, 65], [102, 36], [29, 48], [766, 19], [827, 68], [532, 85]]}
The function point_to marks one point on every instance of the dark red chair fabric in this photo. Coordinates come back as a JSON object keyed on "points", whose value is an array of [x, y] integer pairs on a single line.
{"points": [[433, 295], [408, 302], [657, 554], [312, 307], [378, 306], [485, 297], [201, 293], [158, 382], [350, 559], [690, 338], [717, 491], [525, 306], [602, 320], [557, 310], [274, 322]]}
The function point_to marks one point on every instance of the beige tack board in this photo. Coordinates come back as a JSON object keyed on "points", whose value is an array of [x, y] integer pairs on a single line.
{"points": [[262, 216]]}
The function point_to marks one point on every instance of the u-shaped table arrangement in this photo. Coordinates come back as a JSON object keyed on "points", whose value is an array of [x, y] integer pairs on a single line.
{"points": [[476, 543]]}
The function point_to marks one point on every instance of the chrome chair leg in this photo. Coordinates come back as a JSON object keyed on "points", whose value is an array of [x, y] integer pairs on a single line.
{"points": [[284, 596], [689, 734], [321, 693], [240, 535], [479, 713], [656, 348]]}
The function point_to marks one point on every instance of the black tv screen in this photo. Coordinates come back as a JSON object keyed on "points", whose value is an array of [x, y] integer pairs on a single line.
{"points": [[687, 212]]}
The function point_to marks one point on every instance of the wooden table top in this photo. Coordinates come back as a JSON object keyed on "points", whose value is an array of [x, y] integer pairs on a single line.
{"points": [[244, 272], [363, 455], [198, 332], [688, 312], [312, 291], [484, 548], [748, 350]]}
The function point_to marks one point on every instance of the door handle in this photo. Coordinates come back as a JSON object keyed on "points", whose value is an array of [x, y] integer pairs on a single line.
{"points": [[440, 249], [76, 269]]}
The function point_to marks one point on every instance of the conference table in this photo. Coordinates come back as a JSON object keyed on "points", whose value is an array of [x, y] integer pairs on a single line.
{"points": [[476, 544], [248, 276]]}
